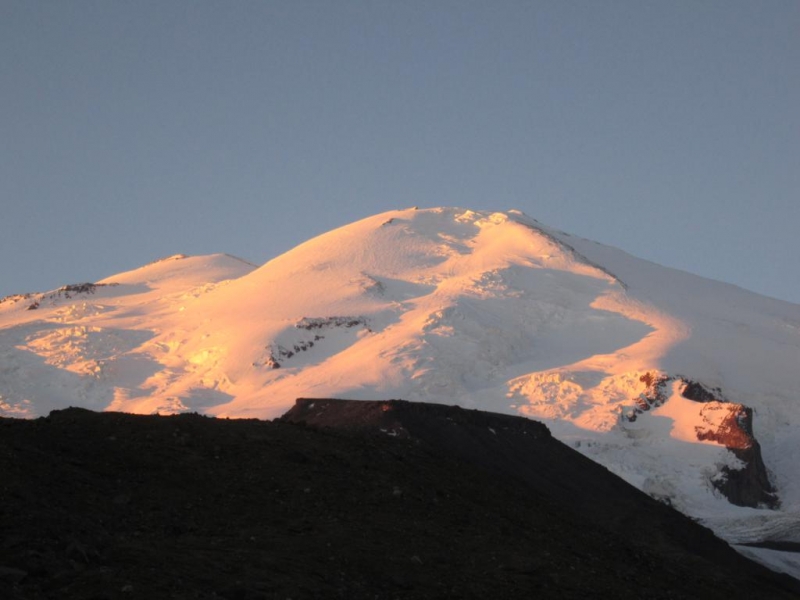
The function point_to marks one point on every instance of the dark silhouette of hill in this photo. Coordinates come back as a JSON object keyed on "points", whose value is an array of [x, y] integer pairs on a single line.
{"points": [[339, 499]]}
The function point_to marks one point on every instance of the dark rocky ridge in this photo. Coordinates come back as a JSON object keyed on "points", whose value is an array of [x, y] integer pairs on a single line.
{"points": [[367, 500]]}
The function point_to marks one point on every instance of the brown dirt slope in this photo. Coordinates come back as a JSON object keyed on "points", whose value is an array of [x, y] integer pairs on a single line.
{"points": [[113, 505]]}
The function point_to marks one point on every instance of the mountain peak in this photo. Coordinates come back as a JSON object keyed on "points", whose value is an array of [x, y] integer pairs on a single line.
{"points": [[489, 310]]}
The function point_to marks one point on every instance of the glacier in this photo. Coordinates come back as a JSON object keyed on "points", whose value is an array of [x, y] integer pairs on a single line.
{"points": [[482, 309]]}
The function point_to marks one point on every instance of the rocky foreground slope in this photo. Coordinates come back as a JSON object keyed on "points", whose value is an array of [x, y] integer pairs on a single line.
{"points": [[339, 500], [683, 386]]}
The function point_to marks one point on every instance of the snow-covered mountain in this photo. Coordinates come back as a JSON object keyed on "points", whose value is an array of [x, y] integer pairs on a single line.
{"points": [[684, 386]]}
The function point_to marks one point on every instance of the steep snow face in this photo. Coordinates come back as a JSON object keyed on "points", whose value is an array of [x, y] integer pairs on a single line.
{"points": [[488, 310], [452, 304]]}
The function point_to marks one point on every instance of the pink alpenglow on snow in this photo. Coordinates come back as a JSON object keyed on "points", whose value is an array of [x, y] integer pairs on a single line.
{"points": [[486, 310]]}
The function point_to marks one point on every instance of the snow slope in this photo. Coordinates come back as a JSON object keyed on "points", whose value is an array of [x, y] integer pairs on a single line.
{"points": [[488, 310]]}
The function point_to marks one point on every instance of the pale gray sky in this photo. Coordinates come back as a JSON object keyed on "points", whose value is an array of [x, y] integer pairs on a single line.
{"points": [[135, 130]]}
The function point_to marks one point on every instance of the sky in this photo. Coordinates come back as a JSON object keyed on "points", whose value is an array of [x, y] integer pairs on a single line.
{"points": [[131, 131]]}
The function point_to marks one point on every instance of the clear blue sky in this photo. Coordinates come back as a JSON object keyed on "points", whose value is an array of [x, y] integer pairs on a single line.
{"points": [[135, 130]]}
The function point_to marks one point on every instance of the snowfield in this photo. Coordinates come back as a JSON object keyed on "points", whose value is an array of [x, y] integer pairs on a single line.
{"points": [[487, 310]]}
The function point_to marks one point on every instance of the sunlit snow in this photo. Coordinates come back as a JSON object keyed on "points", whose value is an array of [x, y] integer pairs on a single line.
{"points": [[487, 310]]}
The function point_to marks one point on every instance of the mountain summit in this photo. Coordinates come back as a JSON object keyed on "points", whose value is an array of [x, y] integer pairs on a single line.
{"points": [[684, 386]]}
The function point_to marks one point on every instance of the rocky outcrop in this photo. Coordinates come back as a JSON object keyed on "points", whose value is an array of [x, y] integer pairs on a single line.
{"points": [[726, 423], [66, 291], [699, 393], [277, 354], [732, 426], [654, 395], [310, 323]]}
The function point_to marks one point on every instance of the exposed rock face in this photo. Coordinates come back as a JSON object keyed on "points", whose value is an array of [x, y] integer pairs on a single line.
{"points": [[654, 395], [409, 420], [750, 485], [278, 354], [698, 393], [67, 292], [731, 425], [726, 423]]}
